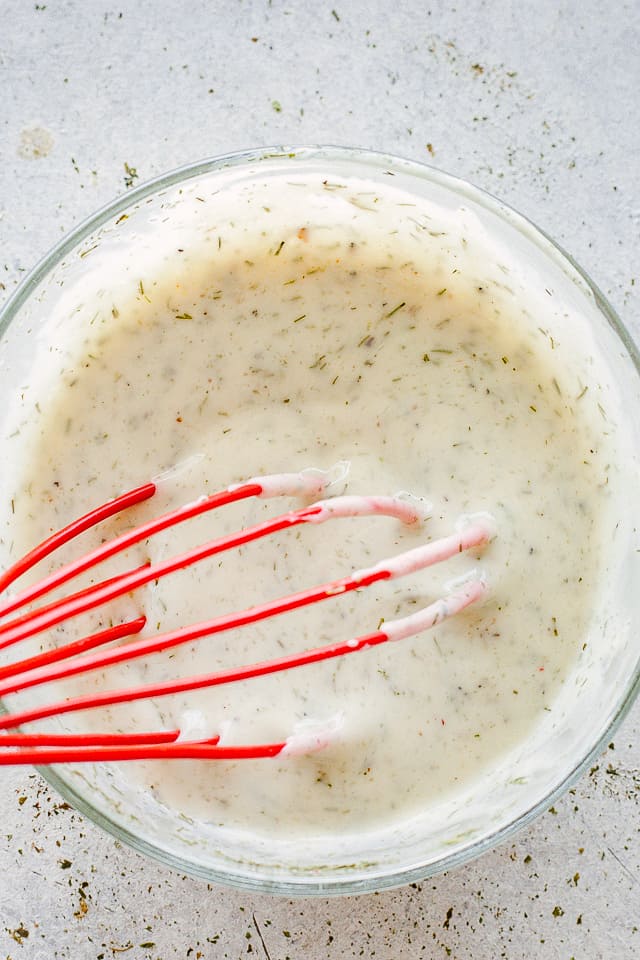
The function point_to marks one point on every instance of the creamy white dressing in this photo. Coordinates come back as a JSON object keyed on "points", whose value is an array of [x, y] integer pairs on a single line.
{"points": [[292, 323]]}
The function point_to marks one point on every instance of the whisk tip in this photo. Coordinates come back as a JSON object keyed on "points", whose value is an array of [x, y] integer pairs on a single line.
{"points": [[310, 736], [422, 508], [193, 726], [484, 521], [308, 482]]}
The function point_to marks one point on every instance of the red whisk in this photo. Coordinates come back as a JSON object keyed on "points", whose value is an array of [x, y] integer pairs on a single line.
{"points": [[82, 655]]}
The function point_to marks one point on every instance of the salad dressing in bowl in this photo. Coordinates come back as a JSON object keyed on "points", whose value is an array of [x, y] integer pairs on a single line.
{"points": [[264, 318]]}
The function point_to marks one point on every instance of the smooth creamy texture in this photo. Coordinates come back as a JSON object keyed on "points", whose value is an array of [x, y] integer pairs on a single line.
{"points": [[301, 324]]}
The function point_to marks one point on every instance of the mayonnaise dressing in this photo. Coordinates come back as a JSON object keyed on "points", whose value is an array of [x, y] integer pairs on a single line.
{"points": [[288, 323]]}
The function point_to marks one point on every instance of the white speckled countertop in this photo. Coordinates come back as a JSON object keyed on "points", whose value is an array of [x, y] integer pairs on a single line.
{"points": [[538, 104]]}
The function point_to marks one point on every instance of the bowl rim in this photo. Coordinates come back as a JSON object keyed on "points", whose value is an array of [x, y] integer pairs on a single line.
{"points": [[305, 885]]}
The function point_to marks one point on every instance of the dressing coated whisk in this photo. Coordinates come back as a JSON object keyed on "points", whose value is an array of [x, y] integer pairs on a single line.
{"points": [[82, 655]]}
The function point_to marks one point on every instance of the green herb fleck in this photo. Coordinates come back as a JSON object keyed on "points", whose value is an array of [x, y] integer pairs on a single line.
{"points": [[395, 309], [19, 934], [130, 175]]}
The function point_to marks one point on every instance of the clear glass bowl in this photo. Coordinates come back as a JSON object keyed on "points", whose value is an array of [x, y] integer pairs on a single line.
{"points": [[605, 681]]}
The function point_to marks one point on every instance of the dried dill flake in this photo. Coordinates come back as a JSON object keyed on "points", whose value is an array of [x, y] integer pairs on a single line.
{"points": [[395, 309], [130, 175]]}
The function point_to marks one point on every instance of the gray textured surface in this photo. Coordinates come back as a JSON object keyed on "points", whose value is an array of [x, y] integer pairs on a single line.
{"points": [[536, 103]]}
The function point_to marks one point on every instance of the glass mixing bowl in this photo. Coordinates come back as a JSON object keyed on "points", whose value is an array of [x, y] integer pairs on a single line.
{"points": [[607, 673]]}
